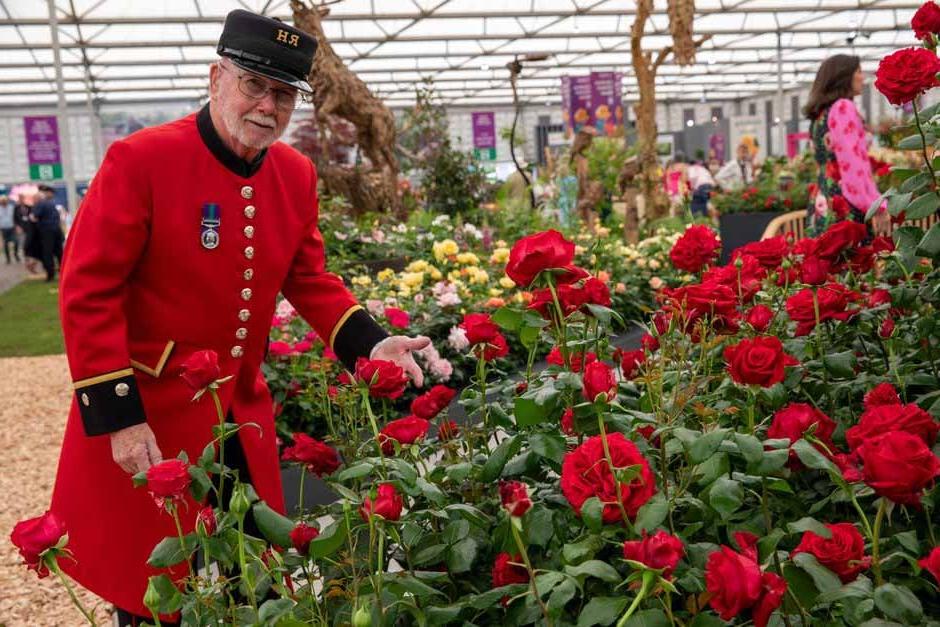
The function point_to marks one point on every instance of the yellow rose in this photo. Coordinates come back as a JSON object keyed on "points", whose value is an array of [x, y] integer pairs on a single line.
{"points": [[603, 231], [362, 280], [507, 283], [417, 266], [654, 264], [495, 291], [453, 276], [385, 275], [641, 262], [468, 259], [444, 249], [501, 243], [436, 274], [656, 283], [500, 255], [579, 250], [412, 279]]}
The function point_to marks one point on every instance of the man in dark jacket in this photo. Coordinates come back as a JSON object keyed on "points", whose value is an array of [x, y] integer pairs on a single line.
{"points": [[49, 230]]}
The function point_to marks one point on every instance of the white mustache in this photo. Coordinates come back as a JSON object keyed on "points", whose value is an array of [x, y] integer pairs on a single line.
{"points": [[263, 120]]}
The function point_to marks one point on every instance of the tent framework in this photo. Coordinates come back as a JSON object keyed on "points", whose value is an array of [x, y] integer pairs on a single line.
{"points": [[126, 50]]}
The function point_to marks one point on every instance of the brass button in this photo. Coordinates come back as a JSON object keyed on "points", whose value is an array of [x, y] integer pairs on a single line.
{"points": [[241, 333], [248, 274], [122, 389], [244, 315], [249, 252], [246, 293], [85, 400], [249, 232], [237, 351], [250, 211], [247, 192]]}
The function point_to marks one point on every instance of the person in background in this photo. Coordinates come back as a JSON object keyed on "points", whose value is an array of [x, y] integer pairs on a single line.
{"points": [[674, 178], [48, 231], [846, 184], [8, 229], [701, 183], [20, 224], [740, 172]]}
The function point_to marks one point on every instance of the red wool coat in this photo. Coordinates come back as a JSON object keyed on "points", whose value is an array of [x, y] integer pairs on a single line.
{"points": [[140, 292]]}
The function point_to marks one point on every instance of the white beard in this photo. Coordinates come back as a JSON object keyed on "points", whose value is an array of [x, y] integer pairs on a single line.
{"points": [[237, 128]]}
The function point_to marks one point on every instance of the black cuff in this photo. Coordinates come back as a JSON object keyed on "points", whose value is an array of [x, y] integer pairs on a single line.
{"points": [[110, 405], [357, 337]]}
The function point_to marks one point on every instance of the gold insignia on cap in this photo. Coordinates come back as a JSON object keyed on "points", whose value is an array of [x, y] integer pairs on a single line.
{"points": [[286, 37]]}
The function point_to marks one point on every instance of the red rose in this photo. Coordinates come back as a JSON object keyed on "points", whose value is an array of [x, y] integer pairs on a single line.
{"points": [[733, 581], [833, 172], [301, 536], [599, 380], [697, 248], [882, 394], [773, 587], [882, 244], [649, 343], [862, 259], [35, 536], [494, 349], [744, 277], [385, 379], [812, 189], [567, 422], [303, 346], [407, 430], [647, 432], [201, 369], [168, 480], [758, 361], [447, 430], [576, 359], [514, 496], [898, 466], [794, 420], [630, 362], [878, 297], [760, 317], [832, 300], [480, 328], [840, 206], [931, 563], [534, 253], [769, 252], [397, 318], [839, 238], [814, 270], [660, 551], [596, 292], [843, 553], [887, 328], [206, 521], [280, 349], [926, 20], [585, 473], [884, 418], [691, 303], [508, 569], [432, 402], [388, 504], [850, 465], [906, 74], [319, 458], [769, 202]]}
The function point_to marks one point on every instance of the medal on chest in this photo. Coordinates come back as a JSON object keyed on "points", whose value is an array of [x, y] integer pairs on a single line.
{"points": [[211, 219]]}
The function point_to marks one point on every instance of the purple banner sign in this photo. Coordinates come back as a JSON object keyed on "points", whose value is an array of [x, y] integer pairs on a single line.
{"points": [[566, 105], [484, 129], [716, 146], [42, 139], [580, 102], [602, 102]]}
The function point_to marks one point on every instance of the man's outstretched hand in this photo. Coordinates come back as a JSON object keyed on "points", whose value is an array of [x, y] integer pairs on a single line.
{"points": [[398, 349]]}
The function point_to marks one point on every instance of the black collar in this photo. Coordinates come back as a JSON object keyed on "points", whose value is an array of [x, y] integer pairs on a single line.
{"points": [[223, 153]]}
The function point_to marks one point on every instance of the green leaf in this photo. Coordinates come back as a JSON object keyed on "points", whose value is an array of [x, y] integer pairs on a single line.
{"points": [[413, 585], [595, 568], [548, 446], [458, 472], [648, 618], [170, 597], [356, 471], [330, 541], [431, 492], [497, 461], [771, 462], [898, 203], [706, 445], [274, 609], [538, 525], [592, 513], [704, 619], [602, 611], [169, 551], [801, 585], [407, 471], [528, 413], [455, 531], [507, 318], [208, 456], [823, 578], [652, 514], [929, 246], [560, 596], [914, 142], [200, 485], [899, 603], [860, 588], [726, 496], [275, 527], [841, 365], [813, 458], [810, 524], [751, 448], [461, 555], [915, 182], [922, 206], [575, 552]]}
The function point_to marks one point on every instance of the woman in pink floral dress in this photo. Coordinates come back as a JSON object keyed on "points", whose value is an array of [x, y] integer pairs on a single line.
{"points": [[846, 188]]}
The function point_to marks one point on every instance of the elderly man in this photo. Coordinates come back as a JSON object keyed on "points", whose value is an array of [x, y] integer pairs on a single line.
{"points": [[187, 235]]}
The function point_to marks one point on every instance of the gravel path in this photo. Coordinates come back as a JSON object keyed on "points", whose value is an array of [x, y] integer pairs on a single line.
{"points": [[36, 395]]}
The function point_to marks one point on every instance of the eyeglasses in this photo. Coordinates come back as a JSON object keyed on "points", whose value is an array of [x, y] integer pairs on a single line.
{"points": [[256, 88]]}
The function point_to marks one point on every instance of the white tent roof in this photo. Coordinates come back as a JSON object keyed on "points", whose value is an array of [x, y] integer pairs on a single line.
{"points": [[133, 50]]}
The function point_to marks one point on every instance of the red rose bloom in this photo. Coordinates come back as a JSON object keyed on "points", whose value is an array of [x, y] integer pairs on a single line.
{"points": [[744, 277], [882, 394], [898, 466], [35, 536], [599, 380], [839, 238], [660, 551], [576, 359], [319, 458], [630, 362], [168, 480], [301, 536], [931, 563], [397, 318], [303, 346], [534, 253], [843, 553], [407, 430], [840, 206], [697, 248], [887, 328], [280, 349], [596, 292], [814, 270], [567, 422], [773, 587], [494, 349], [878, 297], [206, 521], [884, 418], [447, 430], [201, 369], [385, 379], [882, 244], [760, 317], [508, 569], [649, 343], [833, 172], [480, 328], [432, 402], [906, 74], [388, 504], [832, 299], [926, 20], [850, 465], [585, 473], [733, 581], [693, 302], [794, 420], [758, 361], [514, 496]]}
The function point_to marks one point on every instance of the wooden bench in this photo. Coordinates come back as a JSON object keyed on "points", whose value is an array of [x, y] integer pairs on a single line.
{"points": [[795, 222]]}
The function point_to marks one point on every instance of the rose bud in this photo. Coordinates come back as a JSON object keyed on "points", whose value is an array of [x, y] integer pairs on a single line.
{"points": [[388, 504], [515, 497], [301, 536]]}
